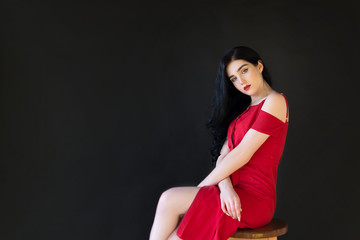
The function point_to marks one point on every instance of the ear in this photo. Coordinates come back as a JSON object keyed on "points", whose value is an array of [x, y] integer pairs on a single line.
{"points": [[260, 66]]}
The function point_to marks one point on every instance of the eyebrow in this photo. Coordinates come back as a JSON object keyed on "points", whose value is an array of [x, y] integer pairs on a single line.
{"points": [[239, 69]]}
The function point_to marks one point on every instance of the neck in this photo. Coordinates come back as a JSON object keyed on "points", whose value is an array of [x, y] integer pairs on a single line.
{"points": [[263, 93]]}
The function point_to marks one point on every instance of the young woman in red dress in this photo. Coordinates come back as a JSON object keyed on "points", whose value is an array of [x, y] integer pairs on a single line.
{"points": [[249, 124]]}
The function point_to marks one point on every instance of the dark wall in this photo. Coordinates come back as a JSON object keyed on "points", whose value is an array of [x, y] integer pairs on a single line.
{"points": [[103, 106]]}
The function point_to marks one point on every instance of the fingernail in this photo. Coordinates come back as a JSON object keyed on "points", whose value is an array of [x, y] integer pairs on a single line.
{"points": [[239, 219]]}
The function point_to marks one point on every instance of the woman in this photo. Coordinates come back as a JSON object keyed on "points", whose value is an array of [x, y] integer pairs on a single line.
{"points": [[249, 123]]}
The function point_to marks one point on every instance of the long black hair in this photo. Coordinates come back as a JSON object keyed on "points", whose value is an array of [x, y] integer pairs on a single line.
{"points": [[228, 101]]}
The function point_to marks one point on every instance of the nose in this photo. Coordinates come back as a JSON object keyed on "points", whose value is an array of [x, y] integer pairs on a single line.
{"points": [[242, 81]]}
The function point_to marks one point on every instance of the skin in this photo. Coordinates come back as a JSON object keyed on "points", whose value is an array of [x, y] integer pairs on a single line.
{"points": [[174, 202], [242, 73]]}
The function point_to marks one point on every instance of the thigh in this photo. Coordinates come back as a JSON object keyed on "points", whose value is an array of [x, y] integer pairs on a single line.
{"points": [[179, 198], [256, 211]]}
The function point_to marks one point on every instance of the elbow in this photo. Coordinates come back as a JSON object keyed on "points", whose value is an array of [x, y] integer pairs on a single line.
{"points": [[219, 159]]}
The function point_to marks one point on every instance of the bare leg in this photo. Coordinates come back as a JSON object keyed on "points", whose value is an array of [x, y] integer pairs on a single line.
{"points": [[172, 204]]}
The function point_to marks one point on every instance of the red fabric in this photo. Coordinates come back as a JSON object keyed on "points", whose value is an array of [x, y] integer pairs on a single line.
{"points": [[255, 182]]}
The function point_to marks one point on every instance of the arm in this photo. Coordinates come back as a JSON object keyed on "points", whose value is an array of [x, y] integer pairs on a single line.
{"points": [[223, 152], [275, 105], [226, 183], [237, 158], [229, 199]]}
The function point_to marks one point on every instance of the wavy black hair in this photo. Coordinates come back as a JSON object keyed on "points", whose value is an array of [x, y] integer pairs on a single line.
{"points": [[228, 101]]}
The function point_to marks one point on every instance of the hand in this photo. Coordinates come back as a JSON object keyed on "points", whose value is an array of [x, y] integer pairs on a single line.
{"points": [[230, 203]]}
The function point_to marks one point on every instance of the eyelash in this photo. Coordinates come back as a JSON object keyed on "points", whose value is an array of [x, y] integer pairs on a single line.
{"points": [[233, 80]]}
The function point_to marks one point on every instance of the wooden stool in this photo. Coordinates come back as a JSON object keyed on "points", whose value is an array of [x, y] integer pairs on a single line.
{"points": [[270, 231]]}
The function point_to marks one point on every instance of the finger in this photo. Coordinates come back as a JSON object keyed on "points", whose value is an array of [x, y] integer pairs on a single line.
{"points": [[238, 211], [223, 207], [240, 205], [228, 208], [233, 211]]}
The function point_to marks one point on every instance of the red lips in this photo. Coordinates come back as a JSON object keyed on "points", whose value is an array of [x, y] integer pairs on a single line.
{"points": [[247, 87]]}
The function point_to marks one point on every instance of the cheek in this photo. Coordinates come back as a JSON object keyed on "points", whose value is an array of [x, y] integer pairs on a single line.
{"points": [[239, 88], [252, 78], [252, 75]]}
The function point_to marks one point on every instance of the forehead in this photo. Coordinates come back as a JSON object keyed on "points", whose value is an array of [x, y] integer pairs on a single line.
{"points": [[234, 65]]}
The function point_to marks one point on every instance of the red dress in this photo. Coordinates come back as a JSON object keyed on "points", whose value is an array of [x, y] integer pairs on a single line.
{"points": [[255, 182]]}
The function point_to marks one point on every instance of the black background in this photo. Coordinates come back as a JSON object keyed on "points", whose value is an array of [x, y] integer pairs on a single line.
{"points": [[104, 105]]}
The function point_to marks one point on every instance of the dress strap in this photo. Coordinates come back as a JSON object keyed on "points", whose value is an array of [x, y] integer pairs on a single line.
{"points": [[287, 108]]}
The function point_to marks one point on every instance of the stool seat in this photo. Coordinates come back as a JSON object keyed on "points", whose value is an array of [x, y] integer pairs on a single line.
{"points": [[271, 230]]}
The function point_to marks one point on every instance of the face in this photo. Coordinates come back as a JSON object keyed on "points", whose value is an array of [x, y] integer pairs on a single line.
{"points": [[246, 77]]}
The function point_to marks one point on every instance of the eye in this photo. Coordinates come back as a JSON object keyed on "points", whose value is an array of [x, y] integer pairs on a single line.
{"points": [[233, 79], [245, 70]]}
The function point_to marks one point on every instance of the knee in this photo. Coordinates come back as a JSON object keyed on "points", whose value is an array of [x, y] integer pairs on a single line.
{"points": [[167, 198]]}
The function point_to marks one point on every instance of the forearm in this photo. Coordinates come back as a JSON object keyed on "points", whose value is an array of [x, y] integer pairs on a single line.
{"points": [[224, 168], [223, 182], [226, 183], [237, 158]]}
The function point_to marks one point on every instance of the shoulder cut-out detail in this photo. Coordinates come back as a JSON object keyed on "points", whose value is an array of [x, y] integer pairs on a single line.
{"points": [[275, 104]]}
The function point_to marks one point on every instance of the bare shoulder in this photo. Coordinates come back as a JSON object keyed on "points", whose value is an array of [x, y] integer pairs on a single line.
{"points": [[275, 104]]}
